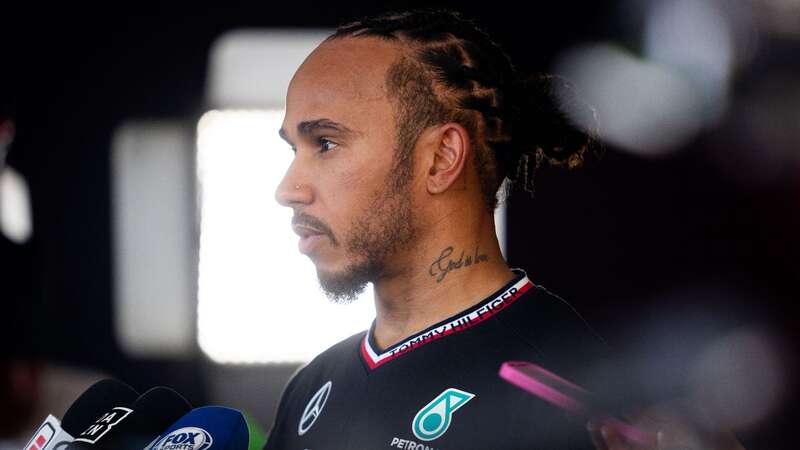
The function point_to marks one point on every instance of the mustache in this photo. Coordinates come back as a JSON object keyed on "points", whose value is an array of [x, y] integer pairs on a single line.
{"points": [[315, 223]]}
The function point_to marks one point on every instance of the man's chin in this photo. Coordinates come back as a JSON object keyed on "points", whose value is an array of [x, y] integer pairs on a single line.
{"points": [[343, 286]]}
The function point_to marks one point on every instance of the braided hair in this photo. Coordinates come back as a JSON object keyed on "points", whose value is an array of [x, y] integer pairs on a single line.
{"points": [[453, 71]]}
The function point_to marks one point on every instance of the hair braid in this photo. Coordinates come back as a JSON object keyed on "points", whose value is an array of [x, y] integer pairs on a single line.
{"points": [[456, 72]]}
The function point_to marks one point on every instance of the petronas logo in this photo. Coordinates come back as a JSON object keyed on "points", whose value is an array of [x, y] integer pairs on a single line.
{"points": [[433, 420]]}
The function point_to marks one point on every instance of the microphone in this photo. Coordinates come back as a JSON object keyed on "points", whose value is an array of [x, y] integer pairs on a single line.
{"points": [[49, 434], [134, 427], [206, 428], [99, 397]]}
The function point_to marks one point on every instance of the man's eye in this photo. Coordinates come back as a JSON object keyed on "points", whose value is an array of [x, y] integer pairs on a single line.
{"points": [[326, 145]]}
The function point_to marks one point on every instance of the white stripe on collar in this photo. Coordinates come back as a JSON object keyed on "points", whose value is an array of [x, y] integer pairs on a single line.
{"points": [[467, 319]]}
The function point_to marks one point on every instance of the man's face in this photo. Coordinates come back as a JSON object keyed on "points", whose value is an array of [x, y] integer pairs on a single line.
{"points": [[351, 199]]}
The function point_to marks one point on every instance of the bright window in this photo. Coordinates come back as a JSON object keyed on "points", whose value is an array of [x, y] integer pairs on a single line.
{"points": [[259, 299]]}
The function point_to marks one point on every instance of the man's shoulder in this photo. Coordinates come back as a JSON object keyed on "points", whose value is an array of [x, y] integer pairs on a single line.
{"points": [[545, 313], [346, 346], [555, 329], [342, 352]]}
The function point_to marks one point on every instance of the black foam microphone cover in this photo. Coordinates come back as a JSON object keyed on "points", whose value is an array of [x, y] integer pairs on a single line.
{"points": [[133, 428], [96, 400]]}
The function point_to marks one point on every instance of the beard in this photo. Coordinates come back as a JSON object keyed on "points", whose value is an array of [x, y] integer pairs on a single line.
{"points": [[386, 225]]}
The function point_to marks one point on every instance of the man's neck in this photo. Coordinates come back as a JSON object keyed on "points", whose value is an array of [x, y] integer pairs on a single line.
{"points": [[443, 275]]}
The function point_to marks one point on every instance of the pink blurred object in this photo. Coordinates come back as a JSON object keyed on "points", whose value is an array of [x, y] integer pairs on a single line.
{"points": [[567, 396]]}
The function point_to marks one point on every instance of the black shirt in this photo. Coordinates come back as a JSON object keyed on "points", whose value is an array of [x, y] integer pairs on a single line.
{"points": [[440, 389]]}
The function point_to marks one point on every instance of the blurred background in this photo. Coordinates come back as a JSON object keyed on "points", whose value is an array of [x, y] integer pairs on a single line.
{"points": [[139, 237]]}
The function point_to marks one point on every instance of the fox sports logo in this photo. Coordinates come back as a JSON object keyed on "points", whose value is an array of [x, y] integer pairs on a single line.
{"points": [[188, 438]]}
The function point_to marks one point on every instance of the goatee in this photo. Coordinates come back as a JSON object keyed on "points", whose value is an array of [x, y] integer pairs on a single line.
{"points": [[386, 227]]}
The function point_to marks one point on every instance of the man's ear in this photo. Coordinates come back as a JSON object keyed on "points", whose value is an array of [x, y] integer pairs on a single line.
{"points": [[451, 146]]}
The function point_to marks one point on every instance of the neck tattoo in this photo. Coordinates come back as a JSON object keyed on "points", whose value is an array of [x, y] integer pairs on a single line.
{"points": [[442, 265]]}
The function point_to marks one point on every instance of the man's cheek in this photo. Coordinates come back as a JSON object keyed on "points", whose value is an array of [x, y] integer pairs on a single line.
{"points": [[355, 177]]}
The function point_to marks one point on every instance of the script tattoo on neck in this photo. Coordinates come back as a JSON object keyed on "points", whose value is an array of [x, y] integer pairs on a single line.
{"points": [[445, 263]]}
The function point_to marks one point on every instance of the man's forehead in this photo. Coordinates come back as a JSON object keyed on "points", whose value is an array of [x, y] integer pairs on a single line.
{"points": [[344, 81], [342, 71]]}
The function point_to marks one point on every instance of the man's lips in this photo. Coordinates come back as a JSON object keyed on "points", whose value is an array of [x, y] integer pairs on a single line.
{"points": [[305, 231], [310, 238], [311, 231]]}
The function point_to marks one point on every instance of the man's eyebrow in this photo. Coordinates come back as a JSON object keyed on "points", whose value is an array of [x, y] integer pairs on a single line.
{"points": [[307, 127]]}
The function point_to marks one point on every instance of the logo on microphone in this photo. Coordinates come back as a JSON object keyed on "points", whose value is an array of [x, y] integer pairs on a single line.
{"points": [[43, 437], [314, 408], [104, 424], [433, 420], [187, 438]]}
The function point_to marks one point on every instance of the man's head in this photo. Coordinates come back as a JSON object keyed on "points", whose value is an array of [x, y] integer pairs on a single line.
{"points": [[350, 194], [390, 117]]}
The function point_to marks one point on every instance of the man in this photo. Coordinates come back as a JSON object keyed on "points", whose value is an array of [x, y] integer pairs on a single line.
{"points": [[404, 126]]}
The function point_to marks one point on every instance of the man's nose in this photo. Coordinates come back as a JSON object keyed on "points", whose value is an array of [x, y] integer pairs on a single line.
{"points": [[293, 190]]}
